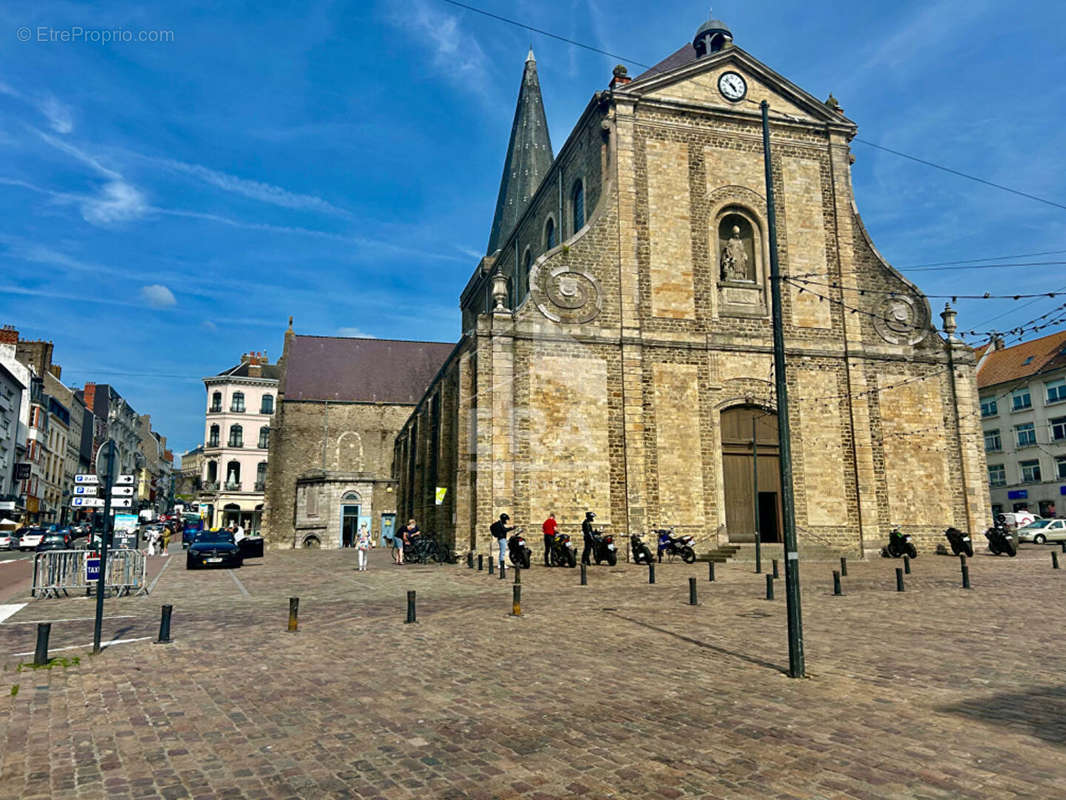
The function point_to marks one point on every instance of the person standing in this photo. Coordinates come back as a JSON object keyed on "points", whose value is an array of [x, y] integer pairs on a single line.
{"points": [[589, 536], [499, 531], [403, 536], [362, 544], [166, 539], [549, 528]]}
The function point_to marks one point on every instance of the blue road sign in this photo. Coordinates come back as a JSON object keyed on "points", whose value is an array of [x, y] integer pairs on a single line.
{"points": [[92, 569]]}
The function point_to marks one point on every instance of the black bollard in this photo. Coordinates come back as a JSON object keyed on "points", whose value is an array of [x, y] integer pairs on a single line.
{"points": [[480, 562], [1054, 560], [836, 583], [843, 567], [40, 655], [516, 601], [164, 626], [769, 587], [899, 579], [517, 574], [776, 573], [907, 564], [692, 592], [491, 567], [710, 571], [503, 570], [410, 607], [660, 556], [651, 573], [965, 575], [584, 575], [294, 609], [470, 559]]}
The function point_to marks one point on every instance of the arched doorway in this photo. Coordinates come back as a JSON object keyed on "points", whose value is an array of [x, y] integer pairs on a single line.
{"points": [[742, 428], [349, 518]]}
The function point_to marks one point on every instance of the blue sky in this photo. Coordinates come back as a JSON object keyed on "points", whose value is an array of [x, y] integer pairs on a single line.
{"points": [[166, 206]]}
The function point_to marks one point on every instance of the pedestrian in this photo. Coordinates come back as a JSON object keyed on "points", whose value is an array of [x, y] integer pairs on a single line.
{"points": [[166, 539], [499, 531], [362, 544], [403, 537], [549, 528], [589, 536]]}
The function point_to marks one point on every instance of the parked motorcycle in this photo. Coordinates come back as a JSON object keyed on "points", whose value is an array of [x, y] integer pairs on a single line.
{"points": [[603, 548], [959, 541], [899, 545], [1000, 539], [641, 552], [518, 550], [676, 546], [562, 552]]}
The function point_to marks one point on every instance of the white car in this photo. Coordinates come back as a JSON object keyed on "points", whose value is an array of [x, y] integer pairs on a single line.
{"points": [[31, 537], [1043, 530]]}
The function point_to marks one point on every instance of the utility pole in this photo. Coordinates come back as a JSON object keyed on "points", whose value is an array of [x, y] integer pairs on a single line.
{"points": [[796, 667], [755, 494], [105, 540]]}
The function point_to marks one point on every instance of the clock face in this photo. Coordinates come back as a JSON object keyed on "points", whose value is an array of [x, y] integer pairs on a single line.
{"points": [[732, 86]]}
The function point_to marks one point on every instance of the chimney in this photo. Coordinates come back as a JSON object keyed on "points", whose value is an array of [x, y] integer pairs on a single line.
{"points": [[254, 361], [621, 77], [9, 335], [56, 370]]}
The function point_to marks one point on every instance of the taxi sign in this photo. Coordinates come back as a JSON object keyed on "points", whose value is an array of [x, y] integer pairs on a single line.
{"points": [[92, 568]]}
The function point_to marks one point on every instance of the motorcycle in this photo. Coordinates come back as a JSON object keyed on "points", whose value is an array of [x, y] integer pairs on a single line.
{"points": [[641, 552], [518, 550], [1000, 539], [959, 541], [603, 548], [899, 545], [676, 546], [562, 552]]}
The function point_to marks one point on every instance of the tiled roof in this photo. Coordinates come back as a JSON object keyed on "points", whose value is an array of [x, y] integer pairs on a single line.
{"points": [[684, 55], [361, 370], [271, 371], [1023, 360]]}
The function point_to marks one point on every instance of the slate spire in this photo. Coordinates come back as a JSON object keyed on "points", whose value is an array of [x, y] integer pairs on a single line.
{"points": [[529, 155]]}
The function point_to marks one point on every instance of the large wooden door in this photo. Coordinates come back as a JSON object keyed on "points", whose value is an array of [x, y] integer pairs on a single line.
{"points": [[739, 474]]}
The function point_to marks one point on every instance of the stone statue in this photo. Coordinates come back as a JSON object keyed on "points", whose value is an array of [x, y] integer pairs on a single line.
{"points": [[736, 266]]}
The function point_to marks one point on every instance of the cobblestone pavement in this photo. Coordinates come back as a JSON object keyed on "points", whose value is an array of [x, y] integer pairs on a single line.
{"points": [[615, 689]]}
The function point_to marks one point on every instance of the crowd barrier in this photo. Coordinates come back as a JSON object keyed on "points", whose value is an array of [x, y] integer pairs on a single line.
{"points": [[58, 572]]}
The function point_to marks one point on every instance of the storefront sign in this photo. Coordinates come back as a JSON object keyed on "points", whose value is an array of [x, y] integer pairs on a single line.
{"points": [[1018, 494]]}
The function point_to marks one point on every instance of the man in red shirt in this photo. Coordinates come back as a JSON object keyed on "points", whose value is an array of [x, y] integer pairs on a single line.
{"points": [[549, 537]]}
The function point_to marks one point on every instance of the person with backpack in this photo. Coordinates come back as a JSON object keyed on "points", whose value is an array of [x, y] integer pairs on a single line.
{"points": [[499, 531]]}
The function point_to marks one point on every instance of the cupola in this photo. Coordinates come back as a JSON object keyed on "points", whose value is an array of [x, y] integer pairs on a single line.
{"points": [[712, 36]]}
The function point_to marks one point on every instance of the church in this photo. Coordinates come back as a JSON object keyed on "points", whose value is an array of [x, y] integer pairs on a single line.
{"points": [[616, 347]]}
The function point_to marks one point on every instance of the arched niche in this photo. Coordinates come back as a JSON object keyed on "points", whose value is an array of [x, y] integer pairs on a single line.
{"points": [[739, 251]]}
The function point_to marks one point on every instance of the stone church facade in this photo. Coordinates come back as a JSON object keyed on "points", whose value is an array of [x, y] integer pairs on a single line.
{"points": [[616, 352]]}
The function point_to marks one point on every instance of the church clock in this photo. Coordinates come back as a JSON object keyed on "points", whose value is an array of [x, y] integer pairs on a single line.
{"points": [[732, 86]]}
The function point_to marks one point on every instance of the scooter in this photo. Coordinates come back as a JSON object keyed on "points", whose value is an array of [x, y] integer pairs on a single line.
{"points": [[603, 548], [899, 545], [518, 550], [959, 541], [1000, 539], [641, 552], [562, 552], [676, 546]]}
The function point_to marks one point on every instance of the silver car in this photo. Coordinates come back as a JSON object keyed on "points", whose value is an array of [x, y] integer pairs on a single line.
{"points": [[1043, 530]]}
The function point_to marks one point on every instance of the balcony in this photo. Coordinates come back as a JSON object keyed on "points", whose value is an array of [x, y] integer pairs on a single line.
{"points": [[260, 486], [213, 443], [233, 410], [214, 410], [235, 443], [210, 486], [233, 486]]}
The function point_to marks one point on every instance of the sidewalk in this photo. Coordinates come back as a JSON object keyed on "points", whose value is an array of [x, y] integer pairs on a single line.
{"points": [[615, 689]]}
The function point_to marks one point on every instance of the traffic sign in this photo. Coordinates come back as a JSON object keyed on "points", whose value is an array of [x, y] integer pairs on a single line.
{"points": [[86, 479], [87, 502], [122, 502], [89, 491], [124, 480], [92, 568], [107, 459], [121, 491]]}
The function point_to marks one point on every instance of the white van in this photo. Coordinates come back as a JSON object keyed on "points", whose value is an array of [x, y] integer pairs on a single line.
{"points": [[1018, 519]]}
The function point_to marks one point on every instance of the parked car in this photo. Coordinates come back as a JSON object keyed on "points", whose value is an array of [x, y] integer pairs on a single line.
{"points": [[54, 540], [1019, 519], [9, 540], [30, 538], [213, 549], [1043, 530]]}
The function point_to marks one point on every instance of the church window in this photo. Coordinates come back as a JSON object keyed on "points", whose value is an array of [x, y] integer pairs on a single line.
{"points": [[578, 204], [527, 265], [549, 234], [236, 436]]}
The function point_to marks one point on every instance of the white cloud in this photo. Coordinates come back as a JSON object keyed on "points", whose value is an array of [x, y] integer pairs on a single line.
{"points": [[210, 325], [158, 296], [59, 116], [117, 202], [457, 55], [353, 333]]}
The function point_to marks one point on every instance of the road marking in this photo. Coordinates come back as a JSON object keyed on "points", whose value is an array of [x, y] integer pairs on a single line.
{"points": [[237, 581], [90, 644], [69, 619], [157, 577], [10, 610]]}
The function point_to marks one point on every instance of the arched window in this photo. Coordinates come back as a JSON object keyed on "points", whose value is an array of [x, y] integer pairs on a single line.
{"points": [[213, 438], [527, 265], [577, 202], [238, 402], [268, 404], [260, 476], [236, 436], [350, 497], [233, 475], [549, 234], [216, 402], [264, 437], [212, 472]]}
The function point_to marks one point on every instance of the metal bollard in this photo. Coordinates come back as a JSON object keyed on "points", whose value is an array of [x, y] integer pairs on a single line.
{"points": [[907, 564], [710, 571], [40, 655], [491, 567], [584, 575], [517, 574], [769, 587], [843, 567], [1054, 560], [692, 592], [164, 626], [965, 576], [776, 573], [516, 602], [836, 583], [503, 570], [651, 573], [294, 609], [899, 579], [470, 559], [410, 607], [480, 562]]}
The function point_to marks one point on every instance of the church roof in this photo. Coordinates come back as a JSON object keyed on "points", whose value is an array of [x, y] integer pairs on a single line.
{"points": [[361, 370], [529, 157], [1023, 360], [683, 55]]}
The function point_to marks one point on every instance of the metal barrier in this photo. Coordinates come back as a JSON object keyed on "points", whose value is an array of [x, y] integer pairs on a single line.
{"points": [[63, 571]]}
